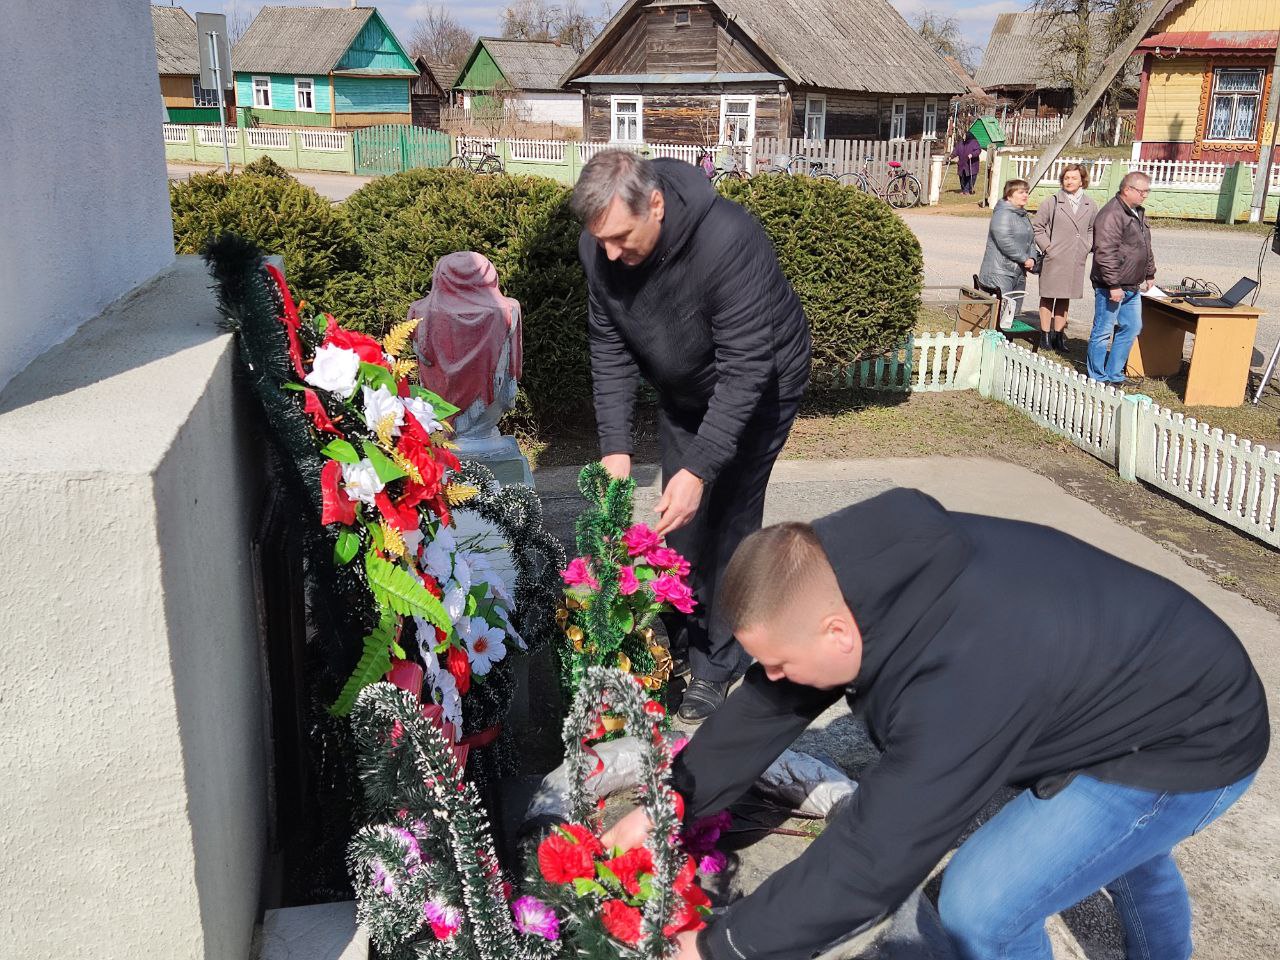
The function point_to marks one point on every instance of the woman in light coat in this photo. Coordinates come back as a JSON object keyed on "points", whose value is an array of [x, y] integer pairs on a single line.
{"points": [[1064, 233], [1010, 249]]}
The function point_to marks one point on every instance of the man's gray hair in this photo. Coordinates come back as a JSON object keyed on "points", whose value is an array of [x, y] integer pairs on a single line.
{"points": [[1134, 176], [609, 174]]}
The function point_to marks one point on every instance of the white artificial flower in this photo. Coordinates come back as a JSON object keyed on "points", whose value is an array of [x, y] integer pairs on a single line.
{"points": [[444, 692], [485, 644], [361, 481], [455, 601], [335, 369], [424, 413], [380, 404]]}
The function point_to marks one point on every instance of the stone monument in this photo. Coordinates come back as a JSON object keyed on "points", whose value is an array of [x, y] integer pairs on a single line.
{"points": [[469, 348]]}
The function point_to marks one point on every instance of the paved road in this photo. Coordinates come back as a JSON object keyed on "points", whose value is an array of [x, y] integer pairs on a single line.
{"points": [[953, 250]]}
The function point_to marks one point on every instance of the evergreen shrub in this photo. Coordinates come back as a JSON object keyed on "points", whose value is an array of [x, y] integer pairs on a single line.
{"points": [[278, 215], [854, 263]]}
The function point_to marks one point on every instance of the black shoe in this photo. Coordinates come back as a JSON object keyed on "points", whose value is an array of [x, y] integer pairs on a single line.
{"points": [[702, 699], [1060, 341], [1046, 340]]}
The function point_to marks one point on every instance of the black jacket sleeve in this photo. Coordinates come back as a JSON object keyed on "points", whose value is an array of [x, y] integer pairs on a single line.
{"points": [[935, 775], [613, 374], [741, 739], [742, 332]]}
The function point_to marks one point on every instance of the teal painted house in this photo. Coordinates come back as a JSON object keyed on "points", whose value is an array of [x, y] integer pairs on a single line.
{"points": [[322, 67]]}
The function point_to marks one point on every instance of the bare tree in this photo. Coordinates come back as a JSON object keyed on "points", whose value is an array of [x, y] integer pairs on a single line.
{"points": [[438, 35], [1080, 35], [566, 22], [944, 35]]}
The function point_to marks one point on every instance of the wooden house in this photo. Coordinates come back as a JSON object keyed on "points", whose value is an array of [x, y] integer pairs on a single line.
{"points": [[178, 60], [729, 71], [431, 92], [1017, 67], [322, 67], [1206, 77], [523, 78]]}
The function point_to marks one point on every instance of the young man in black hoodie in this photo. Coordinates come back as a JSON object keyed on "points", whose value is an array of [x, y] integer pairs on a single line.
{"points": [[1129, 715], [685, 291]]}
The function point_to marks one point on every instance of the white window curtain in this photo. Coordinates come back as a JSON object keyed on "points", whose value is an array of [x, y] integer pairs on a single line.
{"points": [[815, 118], [627, 122]]}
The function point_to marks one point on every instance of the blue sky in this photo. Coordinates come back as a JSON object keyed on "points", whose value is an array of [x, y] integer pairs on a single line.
{"points": [[483, 16]]}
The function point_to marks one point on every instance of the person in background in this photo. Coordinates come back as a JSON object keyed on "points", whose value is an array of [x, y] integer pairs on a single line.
{"points": [[1124, 266], [967, 153], [1063, 229], [1010, 249]]}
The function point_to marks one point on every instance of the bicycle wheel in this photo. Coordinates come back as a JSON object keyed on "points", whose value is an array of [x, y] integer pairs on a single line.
{"points": [[903, 191], [458, 163]]}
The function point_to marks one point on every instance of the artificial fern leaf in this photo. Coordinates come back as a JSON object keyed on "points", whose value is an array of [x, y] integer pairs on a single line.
{"points": [[397, 588]]}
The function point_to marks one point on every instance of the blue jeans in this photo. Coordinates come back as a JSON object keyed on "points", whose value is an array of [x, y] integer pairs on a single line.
{"points": [[1125, 318], [1038, 857]]}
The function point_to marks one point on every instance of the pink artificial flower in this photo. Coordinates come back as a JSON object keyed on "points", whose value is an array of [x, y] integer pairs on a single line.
{"points": [[669, 588], [639, 539], [578, 574], [534, 916], [664, 558], [444, 920], [627, 582]]}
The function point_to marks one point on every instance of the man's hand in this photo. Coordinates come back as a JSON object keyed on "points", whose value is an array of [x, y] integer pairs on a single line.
{"points": [[687, 946], [1117, 294], [631, 831], [618, 465], [679, 502]]}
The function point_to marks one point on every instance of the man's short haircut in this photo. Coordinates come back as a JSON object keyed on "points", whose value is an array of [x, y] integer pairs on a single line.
{"points": [[1132, 177], [1078, 168], [1012, 185], [609, 174], [768, 572]]}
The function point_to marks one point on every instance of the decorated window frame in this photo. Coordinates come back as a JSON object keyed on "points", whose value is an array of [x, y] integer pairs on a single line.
{"points": [[1205, 142]]}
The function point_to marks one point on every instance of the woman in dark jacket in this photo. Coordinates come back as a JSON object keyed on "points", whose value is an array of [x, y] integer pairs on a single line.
{"points": [[967, 153], [1010, 249]]}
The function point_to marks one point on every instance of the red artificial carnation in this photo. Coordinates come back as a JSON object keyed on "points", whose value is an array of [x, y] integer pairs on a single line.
{"points": [[629, 866], [366, 348], [563, 859], [319, 415], [622, 921], [457, 664], [335, 505]]}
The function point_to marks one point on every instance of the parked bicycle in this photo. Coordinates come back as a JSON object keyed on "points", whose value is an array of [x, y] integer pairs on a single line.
{"points": [[797, 164], [900, 189], [477, 157]]}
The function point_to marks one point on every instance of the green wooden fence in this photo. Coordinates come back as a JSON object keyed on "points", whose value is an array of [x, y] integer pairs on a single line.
{"points": [[392, 147]]}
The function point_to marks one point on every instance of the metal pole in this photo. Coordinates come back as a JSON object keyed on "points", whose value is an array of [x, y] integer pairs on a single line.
{"points": [[1266, 146], [222, 102]]}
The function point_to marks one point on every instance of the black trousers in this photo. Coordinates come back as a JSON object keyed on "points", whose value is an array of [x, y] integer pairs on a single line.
{"points": [[732, 507]]}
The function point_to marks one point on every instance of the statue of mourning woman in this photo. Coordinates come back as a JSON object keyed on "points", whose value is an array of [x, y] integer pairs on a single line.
{"points": [[469, 348]]}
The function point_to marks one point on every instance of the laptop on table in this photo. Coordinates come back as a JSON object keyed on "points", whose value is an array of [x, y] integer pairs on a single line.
{"points": [[1244, 286]]}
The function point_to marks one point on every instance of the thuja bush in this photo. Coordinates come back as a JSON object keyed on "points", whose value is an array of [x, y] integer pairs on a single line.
{"points": [[854, 263], [278, 215], [405, 223]]}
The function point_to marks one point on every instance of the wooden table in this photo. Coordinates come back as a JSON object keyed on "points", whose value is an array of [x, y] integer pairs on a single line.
{"points": [[1220, 355]]}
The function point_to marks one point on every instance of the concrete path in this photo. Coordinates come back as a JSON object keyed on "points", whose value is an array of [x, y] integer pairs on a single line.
{"points": [[1232, 869], [953, 249]]}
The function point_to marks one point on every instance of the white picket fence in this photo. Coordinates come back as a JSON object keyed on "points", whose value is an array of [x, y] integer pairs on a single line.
{"points": [[1234, 480], [1167, 174]]}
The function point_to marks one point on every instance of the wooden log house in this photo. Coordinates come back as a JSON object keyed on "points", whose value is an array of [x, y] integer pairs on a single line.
{"points": [[729, 71]]}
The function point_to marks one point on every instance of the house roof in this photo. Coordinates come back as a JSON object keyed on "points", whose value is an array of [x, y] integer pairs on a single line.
{"points": [[176, 51], [303, 40], [1019, 50], [528, 64], [860, 45]]}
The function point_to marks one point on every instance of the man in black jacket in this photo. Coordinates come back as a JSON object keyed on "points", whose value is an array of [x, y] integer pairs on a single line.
{"points": [[685, 290], [1126, 711]]}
